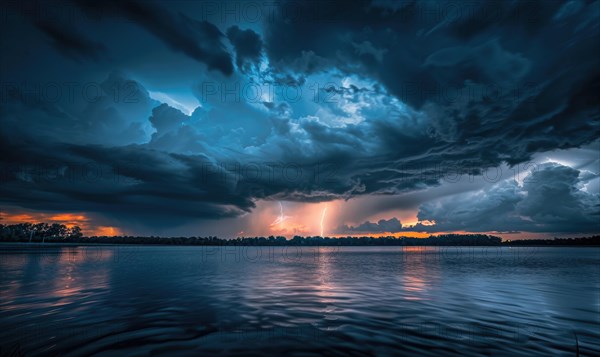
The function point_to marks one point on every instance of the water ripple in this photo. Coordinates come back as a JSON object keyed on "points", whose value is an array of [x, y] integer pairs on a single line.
{"points": [[360, 301]]}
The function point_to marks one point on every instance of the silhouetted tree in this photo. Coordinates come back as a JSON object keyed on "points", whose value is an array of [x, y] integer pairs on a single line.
{"points": [[43, 232]]}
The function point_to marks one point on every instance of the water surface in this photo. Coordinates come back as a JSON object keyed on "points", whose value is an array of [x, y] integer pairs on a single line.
{"points": [[427, 301]]}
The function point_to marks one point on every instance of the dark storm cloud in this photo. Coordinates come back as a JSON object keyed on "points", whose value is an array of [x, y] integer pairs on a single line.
{"points": [[176, 176], [127, 183], [99, 117], [70, 43], [443, 94], [51, 162], [469, 66], [200, 40], [248, 47], [391, 225], [63, 36], [552, 199], [487, 95]]}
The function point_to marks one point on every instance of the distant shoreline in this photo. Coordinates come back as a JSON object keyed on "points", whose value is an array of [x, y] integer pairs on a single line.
{"points": [[43, 234], [34, 245]]}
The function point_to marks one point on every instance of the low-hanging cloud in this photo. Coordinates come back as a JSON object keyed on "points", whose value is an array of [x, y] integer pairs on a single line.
{"points": [[553, 198], [392, 225]]}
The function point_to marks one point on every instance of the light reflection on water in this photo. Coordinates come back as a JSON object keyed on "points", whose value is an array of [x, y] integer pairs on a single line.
{"points": [[292, 300]]}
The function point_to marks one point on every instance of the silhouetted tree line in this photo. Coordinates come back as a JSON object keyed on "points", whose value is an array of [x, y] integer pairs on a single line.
{"points": [[59, 233], [583, 241], [37, 232]]}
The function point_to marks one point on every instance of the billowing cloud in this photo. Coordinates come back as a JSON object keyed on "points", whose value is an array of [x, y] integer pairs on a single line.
{"points": [[248, 47], [378, 99], [480, 85], [113, 111], [551, 199], [391, 225]]}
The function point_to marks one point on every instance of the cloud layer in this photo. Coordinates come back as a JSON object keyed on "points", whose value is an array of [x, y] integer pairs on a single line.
{"points": [[391, 225], [337, 102], [553, 198]]}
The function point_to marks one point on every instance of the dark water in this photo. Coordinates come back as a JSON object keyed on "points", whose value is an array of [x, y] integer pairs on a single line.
{"points": [[155, 300]]}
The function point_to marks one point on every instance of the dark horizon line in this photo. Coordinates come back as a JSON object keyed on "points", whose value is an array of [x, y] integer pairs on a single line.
{"points": [[60, 233]]}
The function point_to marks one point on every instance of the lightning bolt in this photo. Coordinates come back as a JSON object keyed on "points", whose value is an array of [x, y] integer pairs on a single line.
{"points": [[280, 210], [281, 217], [322, 219]]}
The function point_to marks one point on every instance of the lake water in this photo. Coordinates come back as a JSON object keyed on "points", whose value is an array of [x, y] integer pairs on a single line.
{"points": [[417, 301]]}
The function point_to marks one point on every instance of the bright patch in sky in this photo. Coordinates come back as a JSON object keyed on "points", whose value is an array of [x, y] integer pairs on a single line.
{"points": [[186, 104]]}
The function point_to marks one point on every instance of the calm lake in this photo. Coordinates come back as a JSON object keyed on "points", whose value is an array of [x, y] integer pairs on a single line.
{"points": [[417, 301]]}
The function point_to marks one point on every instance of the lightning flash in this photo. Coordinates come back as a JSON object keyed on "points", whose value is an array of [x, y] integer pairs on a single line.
{"points": [[322, 219]]}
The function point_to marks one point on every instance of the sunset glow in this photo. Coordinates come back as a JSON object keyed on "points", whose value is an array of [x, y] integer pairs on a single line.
{"points": [[87, 224]]}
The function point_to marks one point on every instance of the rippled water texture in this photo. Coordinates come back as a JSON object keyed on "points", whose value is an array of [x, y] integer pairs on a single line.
{"points": [[144, 300]]}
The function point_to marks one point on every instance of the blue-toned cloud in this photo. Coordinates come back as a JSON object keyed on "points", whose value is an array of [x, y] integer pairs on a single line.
{"points": [[200, 40], [248, 47], [391, 225], [553, 198], [393, 96]]}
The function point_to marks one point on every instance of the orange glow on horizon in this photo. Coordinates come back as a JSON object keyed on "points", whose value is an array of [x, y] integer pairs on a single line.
{"points": [[68, 219], [106, 231], [269, 218], [385, 234]]}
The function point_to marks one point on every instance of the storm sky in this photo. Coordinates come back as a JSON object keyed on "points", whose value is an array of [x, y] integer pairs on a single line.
{"points": [[247, 118]]}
